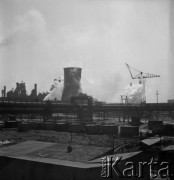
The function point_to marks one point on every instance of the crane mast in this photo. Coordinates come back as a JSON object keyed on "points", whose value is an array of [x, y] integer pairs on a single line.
{"points": [[142, 76]]}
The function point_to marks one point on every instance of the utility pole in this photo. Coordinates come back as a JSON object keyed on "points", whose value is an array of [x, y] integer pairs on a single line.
{"points": [[157, 102]]}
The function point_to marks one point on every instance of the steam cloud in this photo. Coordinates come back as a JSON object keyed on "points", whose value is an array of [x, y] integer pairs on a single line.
{"points": [[56, 90], [98, 40], [27, 28], [107, 88], [135, 94]]}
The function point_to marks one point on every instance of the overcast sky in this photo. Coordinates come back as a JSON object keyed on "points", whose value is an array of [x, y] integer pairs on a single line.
{"points": [[41, 37]]}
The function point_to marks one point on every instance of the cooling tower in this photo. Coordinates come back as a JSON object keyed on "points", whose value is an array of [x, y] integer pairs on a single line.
{"points": [[72, 87]]}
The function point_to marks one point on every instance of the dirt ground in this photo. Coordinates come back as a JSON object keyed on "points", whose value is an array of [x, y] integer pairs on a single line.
{"points": [[61, 137]]}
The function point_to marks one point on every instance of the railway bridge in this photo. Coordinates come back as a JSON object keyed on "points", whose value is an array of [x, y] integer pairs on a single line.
{"points": [[48, 108]]}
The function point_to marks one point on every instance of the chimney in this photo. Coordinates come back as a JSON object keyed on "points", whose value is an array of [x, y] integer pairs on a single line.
{"points": [[4, 91], [17, 85], [72, 86], [35, 88]]}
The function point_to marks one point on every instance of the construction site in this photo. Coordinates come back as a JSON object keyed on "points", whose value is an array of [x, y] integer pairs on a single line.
{"points": [[72, 137]]}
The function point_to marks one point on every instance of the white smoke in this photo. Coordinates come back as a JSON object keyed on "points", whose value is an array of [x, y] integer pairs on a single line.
{"points": [[106, 88], [135, 93], [56, 90], [102, 39], [27, 29]]}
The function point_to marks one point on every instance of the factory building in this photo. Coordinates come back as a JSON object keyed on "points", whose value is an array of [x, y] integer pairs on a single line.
{"points": [[20, 93], [4, 92]]}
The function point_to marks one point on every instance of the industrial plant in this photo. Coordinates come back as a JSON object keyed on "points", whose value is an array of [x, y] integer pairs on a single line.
{"points": [[68, 134], [86, 90]]}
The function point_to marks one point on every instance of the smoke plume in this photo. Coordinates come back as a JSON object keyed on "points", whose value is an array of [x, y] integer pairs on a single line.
{"points": [[27, 28], [104, 88], [40, 42], [56, 90], [134, 92]]}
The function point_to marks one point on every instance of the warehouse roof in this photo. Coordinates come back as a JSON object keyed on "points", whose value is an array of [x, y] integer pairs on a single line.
{"points": [[169, 148], [123, 156], [151, 141], [53, 152]]}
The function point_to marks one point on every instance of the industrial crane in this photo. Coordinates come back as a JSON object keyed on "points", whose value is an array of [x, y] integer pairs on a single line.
{"points": [[142, 78]]}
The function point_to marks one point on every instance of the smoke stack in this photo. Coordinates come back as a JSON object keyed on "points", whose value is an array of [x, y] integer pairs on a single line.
{"points": [[72, 86], [35, 88], [17, 85], [4, 91]]}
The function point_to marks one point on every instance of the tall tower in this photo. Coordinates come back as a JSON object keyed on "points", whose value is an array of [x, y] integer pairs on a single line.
{"points": [[35, 88], [4, 91], [72, 86]]}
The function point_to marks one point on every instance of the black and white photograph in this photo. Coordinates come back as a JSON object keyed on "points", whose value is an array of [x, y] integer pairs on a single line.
{"points": [[86, 89]]}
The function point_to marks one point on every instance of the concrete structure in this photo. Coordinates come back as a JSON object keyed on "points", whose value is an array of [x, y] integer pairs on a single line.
{"points": [[72, 86]]}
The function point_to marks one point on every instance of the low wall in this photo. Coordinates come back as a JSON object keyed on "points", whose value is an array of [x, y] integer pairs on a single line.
{"points": [[17, 169]]}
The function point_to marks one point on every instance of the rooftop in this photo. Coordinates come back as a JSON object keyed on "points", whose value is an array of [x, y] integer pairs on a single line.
{"points": [[152, 140], [54, 153], [169, 148], [123, 156]]}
